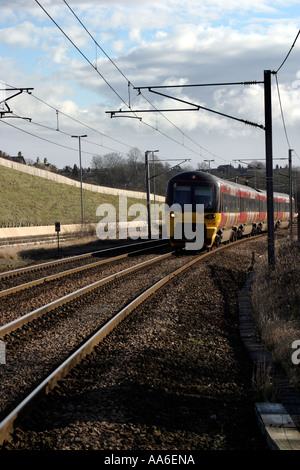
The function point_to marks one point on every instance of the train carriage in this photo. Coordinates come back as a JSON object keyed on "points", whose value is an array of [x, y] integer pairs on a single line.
{"points": [[230, 210]]}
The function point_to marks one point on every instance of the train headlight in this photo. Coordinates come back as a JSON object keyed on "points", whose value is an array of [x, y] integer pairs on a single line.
{"points": [[172, 214], [210, 216]]}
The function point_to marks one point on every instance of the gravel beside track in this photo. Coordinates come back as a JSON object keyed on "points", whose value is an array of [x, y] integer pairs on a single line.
{"points": [[173, 376], [38, 348]]}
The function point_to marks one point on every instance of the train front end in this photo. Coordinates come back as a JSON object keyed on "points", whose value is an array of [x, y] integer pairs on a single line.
{"points": [[193, 210]]}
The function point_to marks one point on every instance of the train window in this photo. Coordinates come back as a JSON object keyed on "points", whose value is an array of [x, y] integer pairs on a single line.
{"points": [[203, 195], [242, 204], [181, 194], [231, 203]]}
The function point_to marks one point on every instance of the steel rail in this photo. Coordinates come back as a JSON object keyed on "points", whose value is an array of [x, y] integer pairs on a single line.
{"points": [[46, 264], [53, 277], [27, 318], [7, 426], [26, 241]]}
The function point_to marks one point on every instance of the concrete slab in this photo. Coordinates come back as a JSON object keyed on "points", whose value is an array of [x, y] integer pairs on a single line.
{"points": [[278, 426]]}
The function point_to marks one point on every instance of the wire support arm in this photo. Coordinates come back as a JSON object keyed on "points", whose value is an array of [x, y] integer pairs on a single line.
{"points": [[114, 113], [196, 107], [254, 82], [19, 91], [7, 110]]}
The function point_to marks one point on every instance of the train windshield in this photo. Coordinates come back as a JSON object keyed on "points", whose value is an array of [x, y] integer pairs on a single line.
{"points": [[182, 194], [193, 194], [203, 195]]}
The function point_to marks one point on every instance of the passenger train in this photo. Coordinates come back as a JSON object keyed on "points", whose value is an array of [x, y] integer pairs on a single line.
{"points": [[230, 209]]}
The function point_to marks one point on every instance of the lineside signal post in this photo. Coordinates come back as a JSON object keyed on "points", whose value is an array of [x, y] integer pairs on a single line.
{"points": [[57, 229]]}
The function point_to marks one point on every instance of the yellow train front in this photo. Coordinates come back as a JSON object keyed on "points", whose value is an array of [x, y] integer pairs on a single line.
{"points": [[193, 199], [202, 205]]}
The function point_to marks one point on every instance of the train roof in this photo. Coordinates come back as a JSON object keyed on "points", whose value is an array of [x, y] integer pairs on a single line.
{"points": [[192, 175], [207, 177]]}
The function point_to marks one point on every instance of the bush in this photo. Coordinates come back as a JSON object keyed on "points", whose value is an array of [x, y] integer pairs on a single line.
{"points": [[276, 306]]}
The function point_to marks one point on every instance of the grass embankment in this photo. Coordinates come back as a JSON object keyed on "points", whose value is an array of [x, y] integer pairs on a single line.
{"points": [[27, 200], [276, 305], [31, 200]]}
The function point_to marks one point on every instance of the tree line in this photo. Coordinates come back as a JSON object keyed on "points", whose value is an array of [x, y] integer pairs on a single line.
{"points": [[129, 172]]}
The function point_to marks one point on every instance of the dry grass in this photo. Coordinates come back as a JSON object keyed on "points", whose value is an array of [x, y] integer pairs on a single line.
{"points": [[276, 306], [10, 257], [262, 382], [21, 255]]}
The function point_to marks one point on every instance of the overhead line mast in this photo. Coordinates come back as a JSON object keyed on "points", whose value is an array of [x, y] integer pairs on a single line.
{"points": [[268, 138]]}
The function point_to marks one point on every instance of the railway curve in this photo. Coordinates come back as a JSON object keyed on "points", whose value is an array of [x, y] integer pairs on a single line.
{"points": [[158, 341]]}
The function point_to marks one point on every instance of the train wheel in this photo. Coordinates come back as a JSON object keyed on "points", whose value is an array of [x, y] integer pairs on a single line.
{"points": [[233, 237]]}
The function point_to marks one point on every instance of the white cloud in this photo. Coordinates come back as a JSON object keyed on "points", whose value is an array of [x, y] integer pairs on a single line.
{"points": [[118, 46], [154, 43], [24, 35]]}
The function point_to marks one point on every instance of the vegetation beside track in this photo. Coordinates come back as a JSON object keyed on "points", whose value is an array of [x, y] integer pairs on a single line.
{"points": [[276, 305], [31, 200]]}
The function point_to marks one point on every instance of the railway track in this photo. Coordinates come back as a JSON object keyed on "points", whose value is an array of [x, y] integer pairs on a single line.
{"points": [[35, 363], [10, 332], [24, 278], [83, 258], [35, 240]]}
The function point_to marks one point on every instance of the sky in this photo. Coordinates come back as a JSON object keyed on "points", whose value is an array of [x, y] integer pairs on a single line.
{"points": [[87, 59]]}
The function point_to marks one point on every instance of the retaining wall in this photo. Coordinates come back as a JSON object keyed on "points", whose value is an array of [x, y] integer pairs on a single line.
{"points": [[16, 232], [9, 233]]}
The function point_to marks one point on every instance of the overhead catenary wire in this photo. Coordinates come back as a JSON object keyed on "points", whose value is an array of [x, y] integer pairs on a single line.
{"points": [[42, 138], [121, 99], [109, 58], [291, 48], [75, 120], [281, 111], [91, 128], [278, 90], [51, 141], [57, 143], [129, 105], [70, 135], [126, 104], [80, 52], [80, 122], [96, 43]]}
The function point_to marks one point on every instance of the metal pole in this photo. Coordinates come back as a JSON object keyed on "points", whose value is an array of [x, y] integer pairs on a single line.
{"points": [[148, 193], [79, 140], [154, 181], [269, 166], [209, 164], [148, 188], [57, 243], [291, 194], [298, 219]]}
